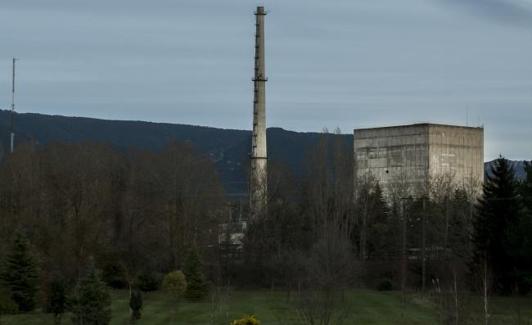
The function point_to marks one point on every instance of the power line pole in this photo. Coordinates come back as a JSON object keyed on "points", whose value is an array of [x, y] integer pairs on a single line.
{"points": [[12, 134]]}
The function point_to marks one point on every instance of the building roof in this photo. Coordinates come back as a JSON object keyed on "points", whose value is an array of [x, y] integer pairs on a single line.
{"points": [[422, 125]]}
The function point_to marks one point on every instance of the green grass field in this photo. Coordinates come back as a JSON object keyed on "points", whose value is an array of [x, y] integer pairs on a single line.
{"points": [[365, 307]]}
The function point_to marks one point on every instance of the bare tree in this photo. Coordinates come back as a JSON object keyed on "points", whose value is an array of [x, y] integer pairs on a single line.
{"points": [[330, 270], [81, 200], [328, 199]]}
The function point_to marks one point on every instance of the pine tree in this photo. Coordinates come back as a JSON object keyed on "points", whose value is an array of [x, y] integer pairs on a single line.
{"points": [[379, 239], [524, 255], [7, 305], [20, 274], [196, 284], [526, 187], [497, 217], [460, 226], [91, 303]]}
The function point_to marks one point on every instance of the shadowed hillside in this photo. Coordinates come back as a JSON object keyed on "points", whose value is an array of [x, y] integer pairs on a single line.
{"points": [[518, 167], [227, 148]]}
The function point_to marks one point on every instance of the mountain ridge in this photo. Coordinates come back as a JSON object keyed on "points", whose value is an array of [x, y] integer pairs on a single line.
{"points": [[228, 148]]}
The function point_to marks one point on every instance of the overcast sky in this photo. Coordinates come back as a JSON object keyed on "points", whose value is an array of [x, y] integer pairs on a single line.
{"points": [[337, 63]]}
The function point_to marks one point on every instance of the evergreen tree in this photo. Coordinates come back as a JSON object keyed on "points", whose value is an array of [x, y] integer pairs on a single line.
{"points": [[526, 187], [20, 274], [91, 303], [460, 226], [496, 221], [196, 284], [7, 305], [524, 239], [379, 240]]}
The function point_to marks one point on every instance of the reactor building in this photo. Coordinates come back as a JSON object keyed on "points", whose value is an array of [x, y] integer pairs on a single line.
{"points": [[409, 158]]}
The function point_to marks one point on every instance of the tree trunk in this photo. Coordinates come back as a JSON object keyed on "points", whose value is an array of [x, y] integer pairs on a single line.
{"points": [[456, 313], [403, 249], [363, 234], [485, 280], [423, 249]]}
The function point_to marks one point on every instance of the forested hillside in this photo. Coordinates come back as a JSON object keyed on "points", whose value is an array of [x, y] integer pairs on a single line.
{"points": [[227, 148]]}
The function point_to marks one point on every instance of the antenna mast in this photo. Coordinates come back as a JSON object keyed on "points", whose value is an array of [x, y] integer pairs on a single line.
{"points": [[12, 140]]}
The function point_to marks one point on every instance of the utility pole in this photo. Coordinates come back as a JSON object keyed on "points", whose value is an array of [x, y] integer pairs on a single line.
{"points": [[12, 134]]}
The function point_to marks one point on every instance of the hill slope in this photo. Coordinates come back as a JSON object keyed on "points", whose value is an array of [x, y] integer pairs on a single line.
{"points": [[227, 148], [518, 167]]}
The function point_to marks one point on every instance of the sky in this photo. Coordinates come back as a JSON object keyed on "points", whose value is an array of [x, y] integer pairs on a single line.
{"points": [[331, 64]]}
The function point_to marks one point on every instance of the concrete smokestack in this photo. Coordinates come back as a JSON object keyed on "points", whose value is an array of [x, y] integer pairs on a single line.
{"points": [[258, 184]]}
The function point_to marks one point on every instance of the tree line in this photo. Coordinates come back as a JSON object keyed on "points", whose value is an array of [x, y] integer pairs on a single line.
{"points": [[449, 239], [70, 213], [136, 215]]}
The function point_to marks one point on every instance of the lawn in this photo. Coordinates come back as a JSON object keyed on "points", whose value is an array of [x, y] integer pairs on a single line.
{"points": [[365, 307]]}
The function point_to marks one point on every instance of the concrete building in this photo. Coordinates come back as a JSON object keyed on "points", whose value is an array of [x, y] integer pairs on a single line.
{"points": [[258, 157], [408, 158]]}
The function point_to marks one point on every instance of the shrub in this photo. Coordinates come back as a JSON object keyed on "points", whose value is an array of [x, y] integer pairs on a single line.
{"points": [[246, 320], [175, 283], [20, 274], [91, 303], [196, 284], [524, 285], [148, 281], [115, 275], [7, 305], [135, 303], [385, 285], [56, 303]]}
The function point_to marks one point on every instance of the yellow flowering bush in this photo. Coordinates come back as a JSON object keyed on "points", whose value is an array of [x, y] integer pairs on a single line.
{"points": [[246, 320], [175, 283]]}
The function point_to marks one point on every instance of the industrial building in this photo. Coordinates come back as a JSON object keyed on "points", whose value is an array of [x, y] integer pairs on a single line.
{"points": [[408, 158]]}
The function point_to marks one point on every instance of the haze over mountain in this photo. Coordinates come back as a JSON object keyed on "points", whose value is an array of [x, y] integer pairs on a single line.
{"points": [[228, 148]]}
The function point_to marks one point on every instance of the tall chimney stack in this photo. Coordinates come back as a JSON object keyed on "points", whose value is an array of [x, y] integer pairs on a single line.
{"points": [[258, 184]]}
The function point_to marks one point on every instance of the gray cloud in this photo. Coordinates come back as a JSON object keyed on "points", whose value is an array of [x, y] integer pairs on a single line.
{"points": [[343, 63], [511, 12]]}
